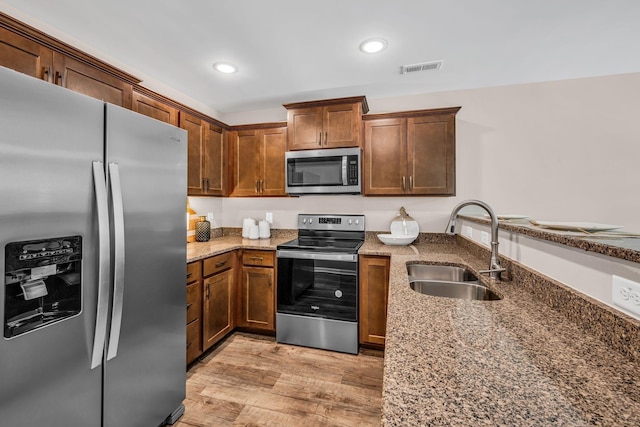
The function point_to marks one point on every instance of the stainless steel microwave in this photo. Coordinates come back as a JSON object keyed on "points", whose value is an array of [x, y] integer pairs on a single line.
{"points": [[328, 171]]}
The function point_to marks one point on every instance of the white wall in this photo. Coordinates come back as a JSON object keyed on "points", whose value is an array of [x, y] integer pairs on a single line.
{"points": [[564, 150]]}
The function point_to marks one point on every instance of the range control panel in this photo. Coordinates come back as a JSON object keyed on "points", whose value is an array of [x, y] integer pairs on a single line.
{"points": [[331, 222]]}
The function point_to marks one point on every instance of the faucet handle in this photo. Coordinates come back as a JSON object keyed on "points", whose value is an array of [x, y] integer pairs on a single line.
{"points": [[492, 270]]}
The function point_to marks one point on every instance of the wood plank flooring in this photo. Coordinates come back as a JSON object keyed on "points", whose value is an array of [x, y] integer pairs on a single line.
{"points": [[250, 380]]}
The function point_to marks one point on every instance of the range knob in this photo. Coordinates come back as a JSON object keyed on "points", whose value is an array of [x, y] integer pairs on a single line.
{"points": [[310, 220], [357, 221], [349, 222], [304, 220]]}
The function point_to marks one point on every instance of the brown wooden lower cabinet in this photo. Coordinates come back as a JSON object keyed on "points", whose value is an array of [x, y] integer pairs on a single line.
{"points": [[374, 291], [218, 303], [257, 291], [194, 310], [218, 298]]}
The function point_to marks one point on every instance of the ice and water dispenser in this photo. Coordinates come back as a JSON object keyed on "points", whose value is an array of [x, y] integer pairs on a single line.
{"points": [[42, 283]]}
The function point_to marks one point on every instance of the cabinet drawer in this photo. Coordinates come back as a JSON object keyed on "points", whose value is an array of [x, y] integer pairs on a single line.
{"points": [[194, 306], [194, 271], [218, 263], [259, 258], [194, 340]]}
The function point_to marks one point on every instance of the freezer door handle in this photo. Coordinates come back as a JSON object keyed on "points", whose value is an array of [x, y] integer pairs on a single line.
{"points": [[118, 266], [102, 309]]}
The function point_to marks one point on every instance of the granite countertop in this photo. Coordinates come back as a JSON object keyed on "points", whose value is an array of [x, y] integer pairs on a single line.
{"points": [[510, 362], [222, 244]]}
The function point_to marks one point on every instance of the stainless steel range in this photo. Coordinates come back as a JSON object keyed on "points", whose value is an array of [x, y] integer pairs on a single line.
{"points": [[318, 283]]}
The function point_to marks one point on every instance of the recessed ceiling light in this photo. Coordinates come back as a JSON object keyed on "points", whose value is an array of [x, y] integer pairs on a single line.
{"points": [[225, 67], [373, 45]]}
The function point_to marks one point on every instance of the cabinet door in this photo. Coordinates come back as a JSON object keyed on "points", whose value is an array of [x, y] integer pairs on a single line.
{"points": [[194, 341], [25, 56], [214, 161], [246, 163], [150, 107], [274, 145], [90, 81], [194, 310], [374, 290], [385, 157], [431, 154], [342, 126], [195, 142], [257, 298], [305, 128], [218, 303]]}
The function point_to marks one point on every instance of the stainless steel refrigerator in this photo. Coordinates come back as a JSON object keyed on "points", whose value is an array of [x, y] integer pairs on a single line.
{"points": [[92, 233]]}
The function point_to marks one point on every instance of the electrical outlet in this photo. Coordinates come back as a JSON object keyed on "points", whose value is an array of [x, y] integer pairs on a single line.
{"points": [[468, 231], [625, 293], [269, 217], [484, 237]]}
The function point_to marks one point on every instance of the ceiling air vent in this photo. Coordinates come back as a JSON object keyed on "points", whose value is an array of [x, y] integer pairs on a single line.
{"points": [[425, 66]]}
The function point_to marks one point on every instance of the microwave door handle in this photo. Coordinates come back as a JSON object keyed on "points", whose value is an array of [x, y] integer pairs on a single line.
{"points": [[102, 306], [345, 181], [118, 269]]}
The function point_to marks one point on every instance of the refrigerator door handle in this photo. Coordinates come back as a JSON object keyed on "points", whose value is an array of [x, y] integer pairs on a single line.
{"points": [[118, 271], [102, 309]]}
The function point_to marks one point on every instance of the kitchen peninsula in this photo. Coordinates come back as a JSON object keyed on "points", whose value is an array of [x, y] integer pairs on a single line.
{"points": [[515, 361]]}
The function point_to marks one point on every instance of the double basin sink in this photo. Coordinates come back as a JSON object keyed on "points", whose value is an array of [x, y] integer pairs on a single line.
{"points": [[448, 281]]}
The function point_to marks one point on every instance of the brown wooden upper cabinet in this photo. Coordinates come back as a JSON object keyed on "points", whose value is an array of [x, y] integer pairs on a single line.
{"points": [[25, 56], [330, 123], [88, 80], [410, 153], [156, 109], [37, 60], [258, 160], [206, 157]]}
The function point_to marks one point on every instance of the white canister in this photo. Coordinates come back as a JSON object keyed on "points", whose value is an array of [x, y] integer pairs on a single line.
{"points": [[264, 229], [254, 232], [246, 226]]}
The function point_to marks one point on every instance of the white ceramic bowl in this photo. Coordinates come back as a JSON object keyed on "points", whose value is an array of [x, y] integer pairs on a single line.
{"points": [[396, 239]]}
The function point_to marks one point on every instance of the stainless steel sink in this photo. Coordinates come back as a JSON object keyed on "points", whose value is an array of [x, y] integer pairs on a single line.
{"points": [[446, 273], [448, 281], [461, 290]]}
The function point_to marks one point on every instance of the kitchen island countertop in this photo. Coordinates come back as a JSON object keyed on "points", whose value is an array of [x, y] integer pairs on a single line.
{"points": [[510, 362]]}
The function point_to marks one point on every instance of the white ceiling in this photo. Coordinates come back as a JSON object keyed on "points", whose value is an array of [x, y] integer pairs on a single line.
{"points": [[296, 50]]}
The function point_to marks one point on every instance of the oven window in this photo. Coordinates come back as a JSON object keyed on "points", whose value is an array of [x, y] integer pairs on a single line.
{"points": [[327, 289], [314, 171]]}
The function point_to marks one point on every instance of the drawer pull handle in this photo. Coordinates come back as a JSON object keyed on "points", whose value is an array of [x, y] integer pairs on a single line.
{"points": [[258, 258], [220, 264], [189, 306], [189, 274], [188, 344]]}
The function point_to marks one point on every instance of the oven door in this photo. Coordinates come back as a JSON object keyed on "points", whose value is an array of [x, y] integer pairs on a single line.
{"points": [[318, 284]]}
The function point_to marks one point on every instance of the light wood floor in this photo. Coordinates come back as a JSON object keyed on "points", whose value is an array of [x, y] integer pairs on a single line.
{"points": [[251, 380]]}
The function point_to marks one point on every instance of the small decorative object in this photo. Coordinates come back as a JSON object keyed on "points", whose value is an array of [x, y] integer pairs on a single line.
{"points": [[404, 225], [203, 230], [404, 230]]}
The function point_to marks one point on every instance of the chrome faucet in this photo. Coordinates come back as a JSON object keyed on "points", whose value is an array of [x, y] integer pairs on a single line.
{"points": [[494, 267]]}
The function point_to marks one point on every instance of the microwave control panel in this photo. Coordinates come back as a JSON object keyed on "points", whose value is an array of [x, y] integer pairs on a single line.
{"points": [[352, 170]]}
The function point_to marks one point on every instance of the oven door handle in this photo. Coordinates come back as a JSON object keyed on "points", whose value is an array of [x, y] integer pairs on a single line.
{"points": [[319, 256]]}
